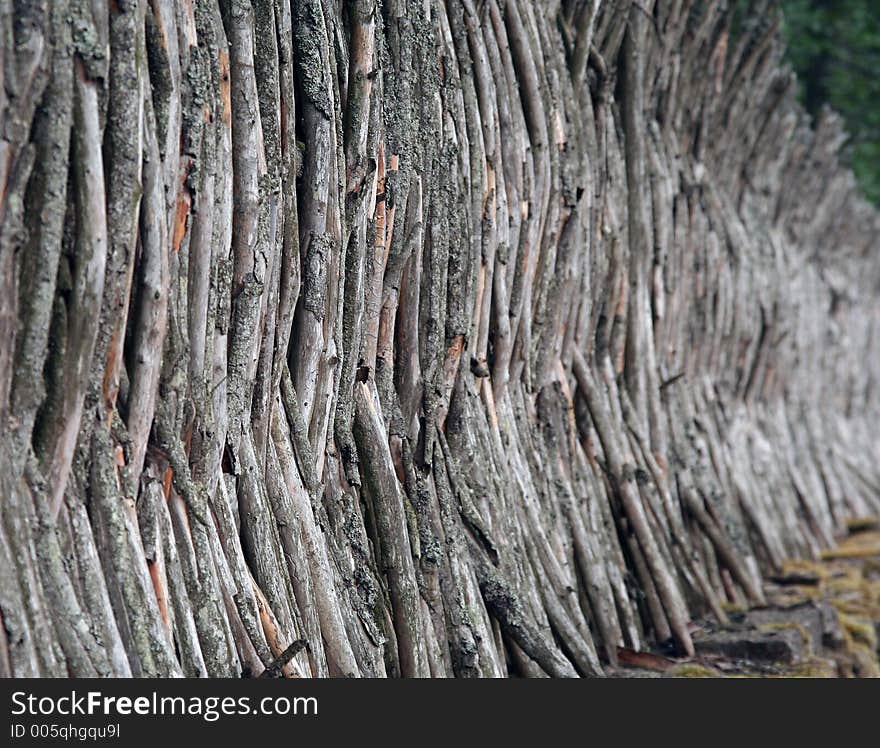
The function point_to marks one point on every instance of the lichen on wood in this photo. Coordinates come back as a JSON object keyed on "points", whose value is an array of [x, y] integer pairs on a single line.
{"points": [[420, 338]]}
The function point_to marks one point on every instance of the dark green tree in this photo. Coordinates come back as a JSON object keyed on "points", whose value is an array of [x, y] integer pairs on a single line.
{"points": [[834, 45]]}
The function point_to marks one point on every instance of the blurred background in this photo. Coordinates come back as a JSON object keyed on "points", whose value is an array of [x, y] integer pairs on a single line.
{"points": [[834, 46]]}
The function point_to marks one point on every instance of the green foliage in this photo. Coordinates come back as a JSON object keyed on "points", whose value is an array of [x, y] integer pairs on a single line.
{"points": [[834, 45]]}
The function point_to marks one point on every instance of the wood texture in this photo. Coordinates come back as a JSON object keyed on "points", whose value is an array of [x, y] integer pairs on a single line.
{"points": [[423, 338]]}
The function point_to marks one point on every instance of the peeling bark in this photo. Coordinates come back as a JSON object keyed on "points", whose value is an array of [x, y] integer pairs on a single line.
{"points": [[448, 339]]}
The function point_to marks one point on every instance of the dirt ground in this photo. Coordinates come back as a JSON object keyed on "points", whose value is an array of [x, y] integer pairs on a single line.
{"points": [[822, 620]]}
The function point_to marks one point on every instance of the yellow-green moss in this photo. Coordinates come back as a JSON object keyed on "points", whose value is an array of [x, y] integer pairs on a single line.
{"points": [[814, 669], [729, 607], [694, 670], [861, 545], [852, 551], [804, 566], [866, 661], [862, 524], [860, 630]]}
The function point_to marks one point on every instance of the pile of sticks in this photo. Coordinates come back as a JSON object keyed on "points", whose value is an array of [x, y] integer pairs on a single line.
{"points": [[422, 338]]}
